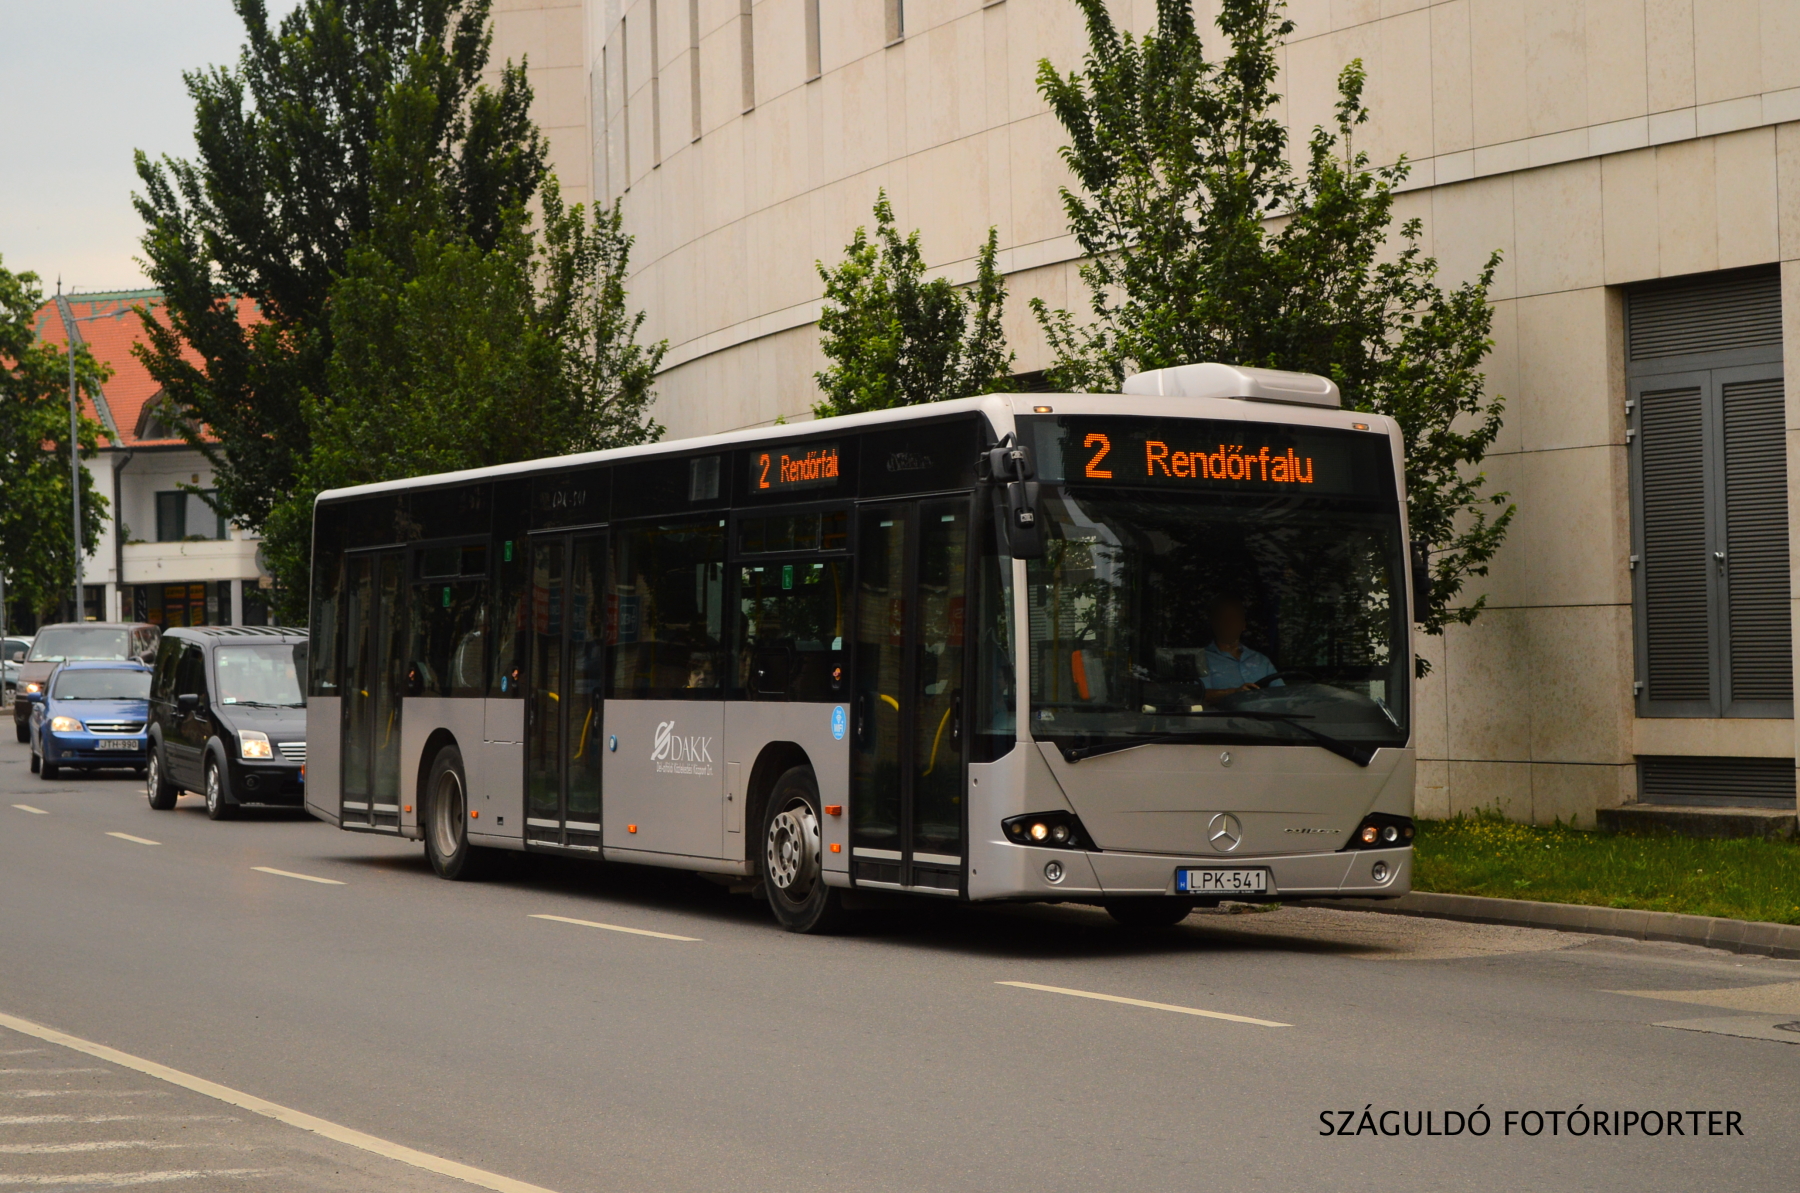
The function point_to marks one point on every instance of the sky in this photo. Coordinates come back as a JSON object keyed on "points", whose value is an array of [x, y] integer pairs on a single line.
{"points": [[82, 84]]}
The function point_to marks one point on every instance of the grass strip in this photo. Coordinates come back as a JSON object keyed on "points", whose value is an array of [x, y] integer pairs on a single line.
{"points": [[1740, 879]]}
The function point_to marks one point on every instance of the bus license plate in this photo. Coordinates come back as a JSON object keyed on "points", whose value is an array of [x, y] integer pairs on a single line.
{"points": [[119, 743], [1222, 882]]}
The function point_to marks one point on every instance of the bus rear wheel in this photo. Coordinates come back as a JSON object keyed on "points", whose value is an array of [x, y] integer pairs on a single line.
{"points": [[792, 862], [447, 821], [1149, 912]]}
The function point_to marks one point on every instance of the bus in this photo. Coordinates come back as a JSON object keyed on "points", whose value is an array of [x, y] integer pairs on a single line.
{"points": [[1146, 651]]}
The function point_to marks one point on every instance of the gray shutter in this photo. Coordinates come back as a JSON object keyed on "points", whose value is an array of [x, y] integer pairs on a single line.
{"points": [[1756, 530], [1671, 429], [1723, 313], [1731, 782]]}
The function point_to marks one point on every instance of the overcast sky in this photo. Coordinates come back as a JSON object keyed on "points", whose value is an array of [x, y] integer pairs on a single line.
{"points": [[82, 84]]}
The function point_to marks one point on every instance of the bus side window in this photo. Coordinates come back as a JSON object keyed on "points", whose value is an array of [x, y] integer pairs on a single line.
{"points": [[668, 586], [509, 620], [322, 658]]}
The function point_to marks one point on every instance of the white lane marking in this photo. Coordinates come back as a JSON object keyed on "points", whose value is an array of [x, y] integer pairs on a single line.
{"points": [[21, 1051], [33, 1120], [291, 874], [98, 1145], [1154, 1006], [29, 808], [563, 919], [57, 1072], [284, 1114], [129, 837], [83, 1093], [124, 1180]]}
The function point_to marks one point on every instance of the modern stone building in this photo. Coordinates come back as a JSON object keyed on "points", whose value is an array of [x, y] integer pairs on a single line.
{"points": [[1637, 161]]}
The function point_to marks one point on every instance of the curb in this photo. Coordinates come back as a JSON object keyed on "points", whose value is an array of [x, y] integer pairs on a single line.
{"points": [[1736, 936]]}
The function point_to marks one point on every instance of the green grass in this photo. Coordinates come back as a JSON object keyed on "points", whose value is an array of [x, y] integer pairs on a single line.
{"points": [[1484, 855]]}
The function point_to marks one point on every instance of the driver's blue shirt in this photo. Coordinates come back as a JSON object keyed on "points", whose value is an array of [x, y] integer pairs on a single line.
{"points": [[1223, 671]]}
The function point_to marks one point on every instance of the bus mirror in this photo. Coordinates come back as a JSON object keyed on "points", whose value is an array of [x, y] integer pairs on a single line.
{"points": [[1421, 579], [1006, 461], [1024, 529]]}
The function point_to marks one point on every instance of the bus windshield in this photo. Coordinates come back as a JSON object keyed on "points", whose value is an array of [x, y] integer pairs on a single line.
{"points": [[1216, 617]]}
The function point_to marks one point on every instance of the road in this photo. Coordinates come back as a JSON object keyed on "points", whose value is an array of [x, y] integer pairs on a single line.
{"points": [[451, 1019]]}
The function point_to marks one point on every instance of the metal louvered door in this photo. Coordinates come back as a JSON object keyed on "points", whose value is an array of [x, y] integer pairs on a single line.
{"points": [[1710, 566]]}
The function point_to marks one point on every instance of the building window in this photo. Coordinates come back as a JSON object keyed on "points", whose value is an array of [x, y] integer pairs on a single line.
{"points": [[655, 87], [896, 20], [1705, 412], [747, 46], [694, 64], [814, 59], [182, 515]]}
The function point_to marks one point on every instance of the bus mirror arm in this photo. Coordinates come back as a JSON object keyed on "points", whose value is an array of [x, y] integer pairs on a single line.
{"points": [[1421, 578]]}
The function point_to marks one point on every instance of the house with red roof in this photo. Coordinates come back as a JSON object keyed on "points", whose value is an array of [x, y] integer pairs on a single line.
{"points": [[164, 555]]}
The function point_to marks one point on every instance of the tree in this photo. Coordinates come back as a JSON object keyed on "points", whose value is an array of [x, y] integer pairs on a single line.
{"points": [[280, 195], [35, 501], [1204, 243], [897, 339], [448, 355]]}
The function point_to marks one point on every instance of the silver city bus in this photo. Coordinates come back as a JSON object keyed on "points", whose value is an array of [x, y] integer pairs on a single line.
{"points": [[1145, 651]]}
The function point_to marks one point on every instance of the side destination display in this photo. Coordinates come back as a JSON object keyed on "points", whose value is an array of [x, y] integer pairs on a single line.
{"points": [[1209, 455]]}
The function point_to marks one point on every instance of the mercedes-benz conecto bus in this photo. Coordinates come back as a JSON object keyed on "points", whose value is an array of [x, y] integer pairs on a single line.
{"points": [[1145, 650]]}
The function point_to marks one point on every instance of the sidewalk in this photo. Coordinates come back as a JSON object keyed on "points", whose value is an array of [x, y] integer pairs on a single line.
{"points": [[1737, 936]]}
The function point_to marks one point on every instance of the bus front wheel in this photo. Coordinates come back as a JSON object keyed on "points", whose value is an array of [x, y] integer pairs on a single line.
{"points": [[792, 865], [447, 821]]}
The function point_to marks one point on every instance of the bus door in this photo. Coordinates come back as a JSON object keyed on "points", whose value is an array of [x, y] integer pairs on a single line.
{"points": [[375, 628], [565, 686], [906, 770]]}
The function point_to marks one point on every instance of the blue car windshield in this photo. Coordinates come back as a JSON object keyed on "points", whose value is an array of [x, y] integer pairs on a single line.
{"points": [[103, 684]]}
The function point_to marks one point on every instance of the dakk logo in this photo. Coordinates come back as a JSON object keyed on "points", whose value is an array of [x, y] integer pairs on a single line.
{"points": [[678, 755]]}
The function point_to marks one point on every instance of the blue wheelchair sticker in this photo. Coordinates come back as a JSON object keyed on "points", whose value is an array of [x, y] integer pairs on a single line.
{"points": [[840, 721]]}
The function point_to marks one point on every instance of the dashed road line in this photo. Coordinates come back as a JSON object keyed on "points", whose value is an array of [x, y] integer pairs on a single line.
{"points": [[268, 1109], [32, 810], [83, 1093], [563, 919], [301, 877], [124, 1180], [138, 840], [39, 1120], [1154, 1006], [55, 1072], [96, 1145]]}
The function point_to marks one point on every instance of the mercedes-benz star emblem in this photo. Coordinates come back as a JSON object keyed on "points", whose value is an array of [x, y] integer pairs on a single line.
{"points": [[1224, 832]]}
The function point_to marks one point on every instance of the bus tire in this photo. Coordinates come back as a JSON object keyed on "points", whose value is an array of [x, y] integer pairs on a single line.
{"points": [[157, 788], [791, 858], [446, 821], [1152, 911]]}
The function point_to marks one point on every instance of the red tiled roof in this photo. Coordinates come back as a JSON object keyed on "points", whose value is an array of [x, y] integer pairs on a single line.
{"points": [[109, 324]]}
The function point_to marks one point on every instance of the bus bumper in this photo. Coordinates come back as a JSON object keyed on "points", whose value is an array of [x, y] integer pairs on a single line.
{"points": [[1008, 871]]}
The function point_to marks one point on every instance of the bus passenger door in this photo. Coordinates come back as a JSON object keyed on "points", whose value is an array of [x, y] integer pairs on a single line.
{"points": [[907, 756], [374, 662], [565, 684]]}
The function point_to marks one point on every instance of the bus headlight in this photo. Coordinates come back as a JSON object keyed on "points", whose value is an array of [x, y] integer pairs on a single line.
{"points": [[1381, 831], [64, 725], [252, 744], [1056, 830]]}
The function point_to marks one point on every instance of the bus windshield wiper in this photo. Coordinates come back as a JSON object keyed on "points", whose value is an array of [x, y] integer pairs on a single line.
{"points": [[1356, 752]]}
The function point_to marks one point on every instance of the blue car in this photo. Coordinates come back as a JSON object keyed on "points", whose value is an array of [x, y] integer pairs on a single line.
{"points": [[92, 715]]}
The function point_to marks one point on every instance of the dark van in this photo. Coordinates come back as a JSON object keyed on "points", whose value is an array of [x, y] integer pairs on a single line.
{"points": [[228, 718]]}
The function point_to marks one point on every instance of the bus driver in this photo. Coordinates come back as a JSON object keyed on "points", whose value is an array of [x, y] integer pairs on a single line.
{"points": [[1230, 665]]}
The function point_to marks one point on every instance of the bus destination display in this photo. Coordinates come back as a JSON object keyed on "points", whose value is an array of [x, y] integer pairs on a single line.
{"points": [[788, 469], [1208, 454]]}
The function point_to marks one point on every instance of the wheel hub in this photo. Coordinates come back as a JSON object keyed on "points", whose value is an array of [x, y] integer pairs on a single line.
{"points": [[793, 851]]}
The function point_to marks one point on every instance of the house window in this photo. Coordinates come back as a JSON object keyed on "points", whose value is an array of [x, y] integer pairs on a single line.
{"points": [[814, 59], [896, 20], [1705, 412], [747, 49], [182, 515]]}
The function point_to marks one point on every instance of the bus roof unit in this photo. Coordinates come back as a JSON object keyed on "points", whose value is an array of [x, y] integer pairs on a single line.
{"points": [[1230, 381]]}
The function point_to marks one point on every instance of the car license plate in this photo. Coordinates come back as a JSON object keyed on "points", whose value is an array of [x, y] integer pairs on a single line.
{"points": [[1222, 882], [119, 743]]}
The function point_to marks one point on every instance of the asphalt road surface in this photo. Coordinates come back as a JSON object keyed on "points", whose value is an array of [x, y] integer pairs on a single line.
{"points": [[182, 1007]]}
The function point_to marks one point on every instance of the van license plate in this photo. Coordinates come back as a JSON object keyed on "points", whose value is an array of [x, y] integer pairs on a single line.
{"points": [[119, 743], [1222, 882]]}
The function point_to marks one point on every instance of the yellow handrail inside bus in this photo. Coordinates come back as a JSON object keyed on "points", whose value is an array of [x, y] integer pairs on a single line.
{"points": [[585, 725], [932, 765], [893, 702]]}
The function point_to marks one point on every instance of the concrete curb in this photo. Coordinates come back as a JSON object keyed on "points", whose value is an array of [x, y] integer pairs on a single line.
{"points": [[1737, 936]]}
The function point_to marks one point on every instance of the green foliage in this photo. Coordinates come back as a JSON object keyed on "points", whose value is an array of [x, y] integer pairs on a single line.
{"points": [[36, 508], [898, 339], [1204, 243], [1746, 879], [282, 191]]}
